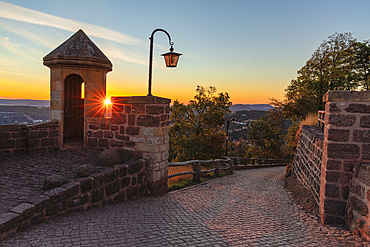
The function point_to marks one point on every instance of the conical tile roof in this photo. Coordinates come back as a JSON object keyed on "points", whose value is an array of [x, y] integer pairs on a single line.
{"points": [[78, 50]]}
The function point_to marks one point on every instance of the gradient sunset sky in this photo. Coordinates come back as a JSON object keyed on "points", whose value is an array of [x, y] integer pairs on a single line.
{"points": [[250, 49]]}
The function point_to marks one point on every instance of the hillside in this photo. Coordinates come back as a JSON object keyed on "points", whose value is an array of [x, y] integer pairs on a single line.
{"points": [[17, 114], [248, 107]]}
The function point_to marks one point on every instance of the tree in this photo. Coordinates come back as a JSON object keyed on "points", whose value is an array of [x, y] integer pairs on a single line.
{"points": [[331, 67], [362, 66], [265, 136], [196, 130]]}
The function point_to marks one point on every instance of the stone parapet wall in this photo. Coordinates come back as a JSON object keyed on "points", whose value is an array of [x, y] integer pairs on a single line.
{"points": [[307, 159], [346, 153], [28, 139], [110, 185], [139, 124]]}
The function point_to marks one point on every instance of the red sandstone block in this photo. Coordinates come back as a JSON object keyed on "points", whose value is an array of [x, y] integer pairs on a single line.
{"points": [[361, 135], [132, 130], [358, 108], [131, 120], [337, 135], [343, 151], [154, 109], [138, 109], [365, 121], [333, 107], [359, 206], [342, 120]]}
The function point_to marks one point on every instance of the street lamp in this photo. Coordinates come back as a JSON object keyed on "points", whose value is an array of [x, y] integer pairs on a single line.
{"points": [[227, 130], [171, 58]]}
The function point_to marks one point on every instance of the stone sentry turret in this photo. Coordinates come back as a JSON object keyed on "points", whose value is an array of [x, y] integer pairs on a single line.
{"points": [[78, 71]]}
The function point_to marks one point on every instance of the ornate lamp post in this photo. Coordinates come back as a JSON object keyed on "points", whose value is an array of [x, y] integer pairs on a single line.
{"points": [[227, 131], [171, 58]]}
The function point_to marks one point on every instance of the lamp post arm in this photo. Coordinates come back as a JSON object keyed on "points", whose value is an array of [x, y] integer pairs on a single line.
{"points": [[151, 57]]}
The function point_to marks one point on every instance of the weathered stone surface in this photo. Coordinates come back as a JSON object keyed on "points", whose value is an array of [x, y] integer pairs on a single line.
{"points": [[335, 207], [111, 174], [114, 128], [358, 108], [109, 158], [55, 208], [115, 143], [112, 188], [103, 143], [136, 167], [154, 109], [364, 174], [338, 135], [120, 197], [365, 121], [85, 170], [343, 151], [78, 200], [357, 189], [8, 221], [138, 109], [361, 135], [132, 130], [56, 194], [40, 202], [331, 190], [333, 165], [85, 184], [122, 137], [131, 192], [25, 211], [345, 192], [97, 195], [37, 219], [342, 120], [359, 206], [71, 188], [53, 182], [98, 179], [148, 121], [125, 182], [122, 170], [131, 120], [92, 142]]}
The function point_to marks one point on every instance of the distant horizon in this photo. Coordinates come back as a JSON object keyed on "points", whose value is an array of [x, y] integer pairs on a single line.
{"points": [[49, 101]]}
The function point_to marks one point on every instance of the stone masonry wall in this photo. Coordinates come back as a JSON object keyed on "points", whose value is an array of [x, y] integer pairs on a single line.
{"points": [[345, 176], [307, 159], [116, 184], [28, 139], [139, 124]]}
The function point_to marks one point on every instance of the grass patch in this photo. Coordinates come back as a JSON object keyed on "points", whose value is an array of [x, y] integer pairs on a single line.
{"points": [[189, 182]]}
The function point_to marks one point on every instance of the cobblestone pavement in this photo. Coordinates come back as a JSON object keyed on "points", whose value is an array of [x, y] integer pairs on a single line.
{"points": [[23, 177], [248, 208]]}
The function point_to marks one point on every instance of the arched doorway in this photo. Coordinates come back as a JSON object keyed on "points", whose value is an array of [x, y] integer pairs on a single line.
{"points": [[73, 110]]}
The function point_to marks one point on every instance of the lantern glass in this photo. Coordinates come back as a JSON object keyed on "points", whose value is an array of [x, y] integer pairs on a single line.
{"points": [[171, 59]]}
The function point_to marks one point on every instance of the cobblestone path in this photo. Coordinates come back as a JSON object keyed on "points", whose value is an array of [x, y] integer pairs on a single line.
{"points": [[248, 208], [23, 177]]}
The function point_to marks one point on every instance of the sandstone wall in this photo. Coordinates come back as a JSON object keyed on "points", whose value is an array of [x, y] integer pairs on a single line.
{"points": [[110, 185], [28, 139], [139, 124], [307, 159]]}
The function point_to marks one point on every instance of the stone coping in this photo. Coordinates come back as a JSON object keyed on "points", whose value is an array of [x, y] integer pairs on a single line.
{"points": [[141, 100], [14, 127], [109, 185], [352, 96]]}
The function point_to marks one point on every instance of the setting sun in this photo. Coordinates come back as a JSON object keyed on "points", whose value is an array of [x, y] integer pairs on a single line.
{"points": [[108, 102]]}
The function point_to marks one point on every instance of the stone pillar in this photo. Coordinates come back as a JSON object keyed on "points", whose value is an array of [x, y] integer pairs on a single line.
{"points": [[346, 147], [138, 124]]}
